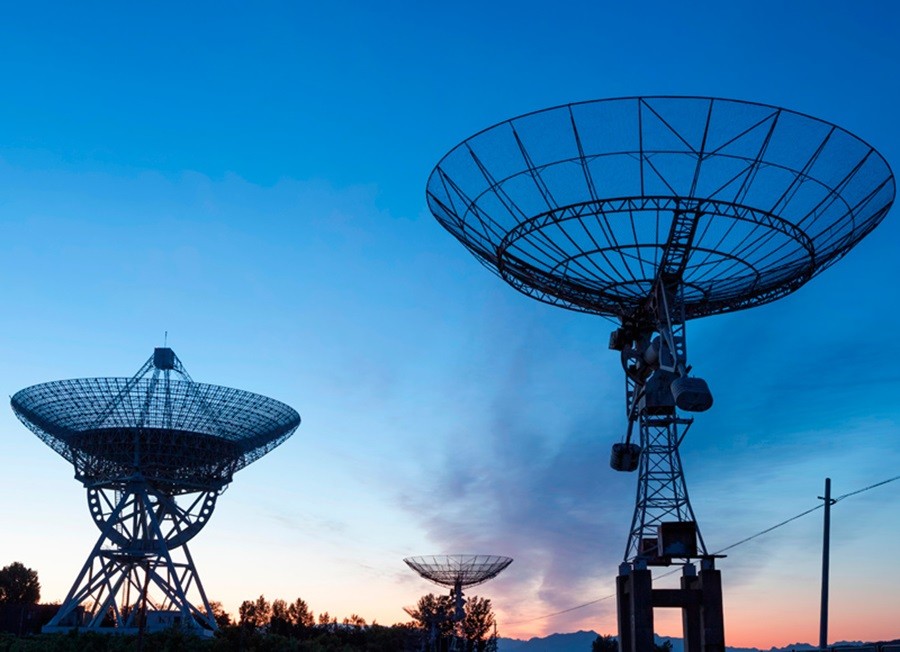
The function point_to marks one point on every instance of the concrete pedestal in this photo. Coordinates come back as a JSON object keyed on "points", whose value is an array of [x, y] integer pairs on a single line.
{"points": [[699, 598]]}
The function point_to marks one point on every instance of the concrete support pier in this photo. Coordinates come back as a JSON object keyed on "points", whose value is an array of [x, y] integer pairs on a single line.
{"points": [[699, 598]]}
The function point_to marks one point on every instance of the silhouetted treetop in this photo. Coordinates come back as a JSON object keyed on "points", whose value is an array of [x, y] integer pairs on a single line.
{"points": [[19, 585]]}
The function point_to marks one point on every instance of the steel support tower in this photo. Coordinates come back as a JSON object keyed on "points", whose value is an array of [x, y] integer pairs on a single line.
{"points": [[652, 367], [142, 552]]}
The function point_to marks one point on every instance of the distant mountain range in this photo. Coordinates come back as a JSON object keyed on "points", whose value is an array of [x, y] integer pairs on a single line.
{"points": [[574, 642], [581, 642]]}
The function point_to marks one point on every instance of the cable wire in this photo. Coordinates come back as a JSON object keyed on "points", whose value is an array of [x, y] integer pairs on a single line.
{"points": [[729, 547], [769, 529], [871, 486]]}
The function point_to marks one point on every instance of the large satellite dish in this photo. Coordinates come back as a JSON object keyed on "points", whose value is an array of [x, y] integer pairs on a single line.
{"points": [[154, 452], [589, 205], [652, 211]]}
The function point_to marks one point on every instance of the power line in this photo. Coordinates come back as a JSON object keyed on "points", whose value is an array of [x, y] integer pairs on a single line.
{"points": [[564, 611], [871, 486], [729, 547], [769, 529]]}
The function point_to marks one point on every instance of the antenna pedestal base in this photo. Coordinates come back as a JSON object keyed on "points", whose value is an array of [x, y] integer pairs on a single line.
{"points": [[140, 575], [699, 598]]}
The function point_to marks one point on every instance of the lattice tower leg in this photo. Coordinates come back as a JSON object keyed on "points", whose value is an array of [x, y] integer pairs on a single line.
{"points": [[662, 494], [661, 490], [135, 569]]}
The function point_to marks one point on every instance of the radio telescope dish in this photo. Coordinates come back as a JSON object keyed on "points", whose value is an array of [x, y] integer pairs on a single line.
{"points": [[587, 205], [154, 452], [458, 572], [652, 211]]}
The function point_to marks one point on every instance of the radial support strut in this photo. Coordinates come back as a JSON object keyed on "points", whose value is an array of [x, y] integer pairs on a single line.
{"points": [[140, 574]]}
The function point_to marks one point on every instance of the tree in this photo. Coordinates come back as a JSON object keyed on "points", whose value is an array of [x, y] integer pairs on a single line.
{"points": [[477, 624], [247, 614], [279, 621], [355, 621], [300, 614], [665, 646], [605, 644], [222, 618], [434, 614], [255, 614], [19, 585]]}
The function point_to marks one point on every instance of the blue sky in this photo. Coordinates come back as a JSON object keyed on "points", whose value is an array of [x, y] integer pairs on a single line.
{"points": [[251, 180]]}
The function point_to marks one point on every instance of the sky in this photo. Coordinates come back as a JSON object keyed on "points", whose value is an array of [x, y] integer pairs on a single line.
{"points": [[249, 178]]}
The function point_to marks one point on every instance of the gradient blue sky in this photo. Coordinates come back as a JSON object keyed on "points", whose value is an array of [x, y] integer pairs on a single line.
{"points": [[250, 178]]}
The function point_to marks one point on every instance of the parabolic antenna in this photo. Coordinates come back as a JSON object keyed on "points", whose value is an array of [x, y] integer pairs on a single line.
{"points": [[154, 452], [458, 572], [588, 205], [652, 211]]}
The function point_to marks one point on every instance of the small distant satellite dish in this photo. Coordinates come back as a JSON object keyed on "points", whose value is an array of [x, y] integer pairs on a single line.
{"points": [[458, 572]]}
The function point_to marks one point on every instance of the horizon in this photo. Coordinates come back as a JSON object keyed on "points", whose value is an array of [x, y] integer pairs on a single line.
{"points": [[251, 182], [679, 641]]}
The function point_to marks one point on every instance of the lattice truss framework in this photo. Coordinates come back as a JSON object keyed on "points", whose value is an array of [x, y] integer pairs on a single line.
{"points": [[140, 565], [662, 494], [460, 571], [573, 205]]}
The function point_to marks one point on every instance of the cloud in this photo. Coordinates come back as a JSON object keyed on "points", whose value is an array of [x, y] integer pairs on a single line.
{"points": [[534, 483]]}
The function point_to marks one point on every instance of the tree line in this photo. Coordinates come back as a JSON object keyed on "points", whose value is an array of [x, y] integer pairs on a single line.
{"points": [[276, 626]]}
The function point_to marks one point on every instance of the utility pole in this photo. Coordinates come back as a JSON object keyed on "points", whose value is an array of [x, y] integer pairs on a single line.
{"points": [[826, 552]]}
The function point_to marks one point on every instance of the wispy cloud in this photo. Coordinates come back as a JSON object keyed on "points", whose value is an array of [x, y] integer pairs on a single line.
{"points": [[534, 485]]}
